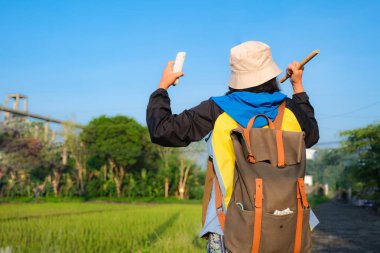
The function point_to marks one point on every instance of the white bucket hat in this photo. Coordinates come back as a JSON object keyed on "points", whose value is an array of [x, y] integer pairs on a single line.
{"points": [[251, 65]]}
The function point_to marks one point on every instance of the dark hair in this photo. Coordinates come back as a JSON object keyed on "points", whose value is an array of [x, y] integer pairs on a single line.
{"points": [[269, 86]]}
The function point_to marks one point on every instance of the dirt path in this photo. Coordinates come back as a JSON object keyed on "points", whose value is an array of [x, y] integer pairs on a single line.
{"points": [[345, 228]]}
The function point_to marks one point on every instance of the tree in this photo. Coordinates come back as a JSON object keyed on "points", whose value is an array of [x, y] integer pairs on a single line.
{"points": [[25, 155], [329, 167], [77, 151], [365, 144], [51, 155], [187, 160], [112, 156], [118, 141], [165, 153]]}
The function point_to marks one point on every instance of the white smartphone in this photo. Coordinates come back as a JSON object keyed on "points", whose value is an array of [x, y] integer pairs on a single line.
{"points": [[178, 64]]}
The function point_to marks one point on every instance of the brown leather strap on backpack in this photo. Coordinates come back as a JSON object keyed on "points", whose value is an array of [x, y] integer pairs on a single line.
{"points": [[301, 184], [301, 203], [219, 204], [258, 216]]}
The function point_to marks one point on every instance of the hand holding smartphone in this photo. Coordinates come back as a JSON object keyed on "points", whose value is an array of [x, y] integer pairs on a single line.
{"points": [[178, 64]]}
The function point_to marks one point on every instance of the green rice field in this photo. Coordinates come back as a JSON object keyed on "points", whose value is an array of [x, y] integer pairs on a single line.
{"points": [[100, 227]]}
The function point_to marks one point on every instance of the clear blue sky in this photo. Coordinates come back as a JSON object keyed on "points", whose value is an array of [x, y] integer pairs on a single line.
{"points": [[81, 59]]}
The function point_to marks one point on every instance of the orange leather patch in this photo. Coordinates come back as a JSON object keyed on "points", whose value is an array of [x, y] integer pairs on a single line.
{"points": [[251, 159]]}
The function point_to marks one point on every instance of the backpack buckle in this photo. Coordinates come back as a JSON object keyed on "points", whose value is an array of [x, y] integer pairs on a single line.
{"points": [[251, 158]]}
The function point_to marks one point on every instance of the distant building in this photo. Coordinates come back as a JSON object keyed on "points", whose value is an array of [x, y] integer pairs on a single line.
{"points": [[326, 189], [310, 154], [308, 180]]}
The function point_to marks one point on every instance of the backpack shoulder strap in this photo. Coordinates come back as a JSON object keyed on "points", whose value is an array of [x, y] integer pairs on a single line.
{"points": [[210, 175], [210, 179], [280, 115], [278, 125]]}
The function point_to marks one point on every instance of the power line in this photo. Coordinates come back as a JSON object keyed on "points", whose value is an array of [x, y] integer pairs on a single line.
{"points": [[327, 143], [347, 113]]}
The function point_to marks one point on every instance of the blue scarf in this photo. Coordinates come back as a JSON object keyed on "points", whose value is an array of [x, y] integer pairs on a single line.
{"points": [[243, 105]]}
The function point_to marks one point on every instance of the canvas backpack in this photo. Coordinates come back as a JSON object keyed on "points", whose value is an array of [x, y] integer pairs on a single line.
{"points": [[269, 176]]}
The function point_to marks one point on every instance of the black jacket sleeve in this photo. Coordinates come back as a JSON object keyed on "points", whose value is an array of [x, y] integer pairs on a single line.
{"points": [[171, 130], [304, 113]]}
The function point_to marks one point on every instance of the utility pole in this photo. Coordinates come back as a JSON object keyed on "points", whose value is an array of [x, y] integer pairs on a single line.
{"points": [[16, 98]]}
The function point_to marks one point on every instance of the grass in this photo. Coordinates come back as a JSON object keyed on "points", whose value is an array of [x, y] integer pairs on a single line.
{"points": [[45, 226], [317, 200], [52, 199], [100, 227]]}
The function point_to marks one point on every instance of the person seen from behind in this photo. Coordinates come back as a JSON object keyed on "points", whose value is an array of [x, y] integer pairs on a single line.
{"points": [[252, 89]]}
